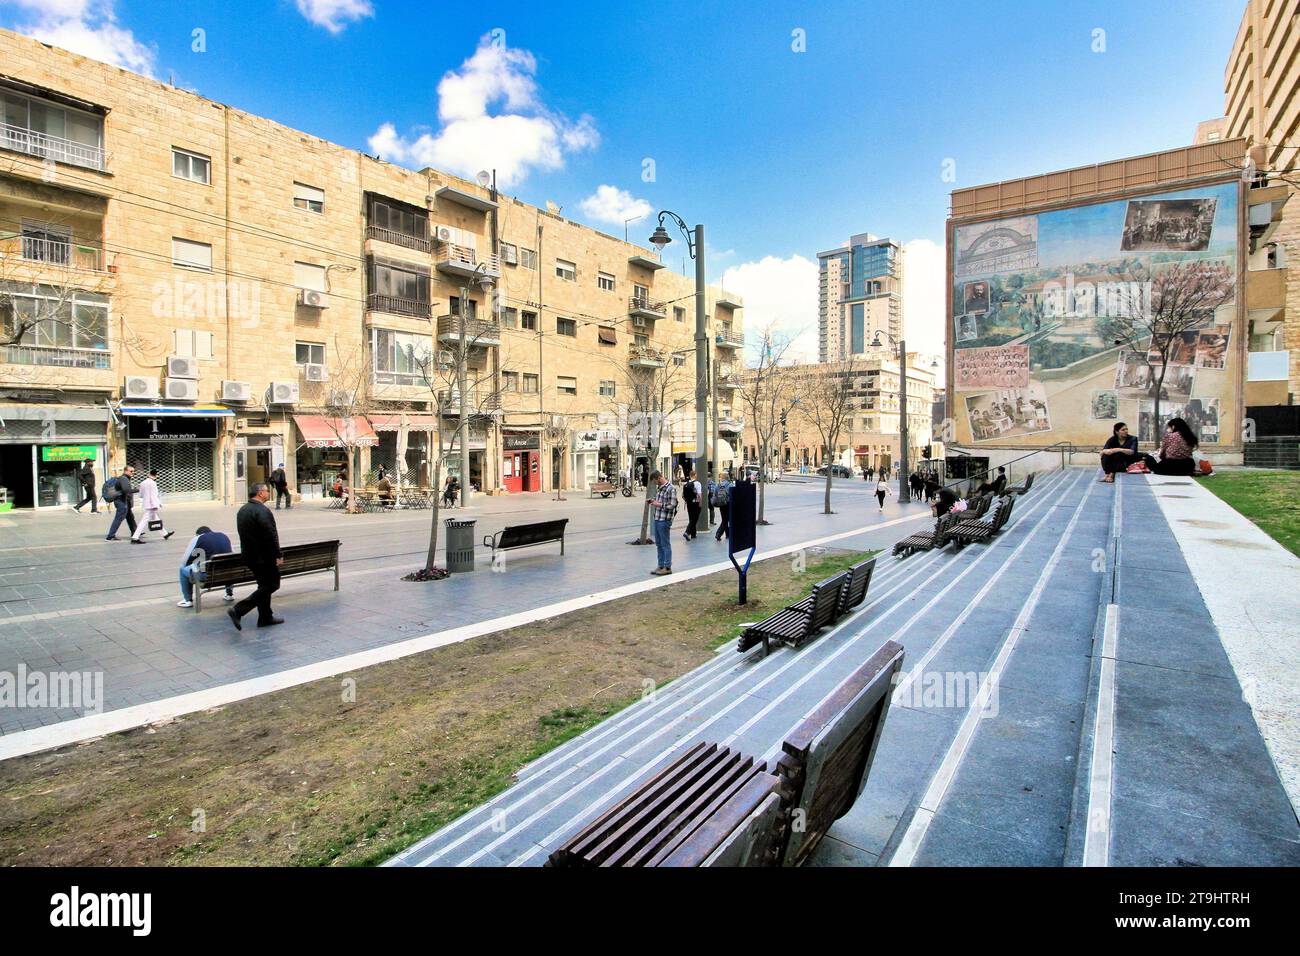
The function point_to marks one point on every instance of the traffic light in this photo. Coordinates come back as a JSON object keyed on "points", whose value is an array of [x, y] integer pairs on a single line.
{"points": [[925, 452]]}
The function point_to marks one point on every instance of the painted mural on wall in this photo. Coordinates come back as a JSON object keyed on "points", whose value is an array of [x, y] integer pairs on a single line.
{"points": [[1040, 301]]}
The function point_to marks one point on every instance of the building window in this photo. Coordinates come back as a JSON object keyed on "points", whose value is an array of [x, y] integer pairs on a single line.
{"points": [[55, 320], [566, 327], [510, 317], [191, 255], [642, 340], [38, 127], [679, 314], [400, 358], [679, 360], [192, 343], [308, 197], [528, 258], [308, 276], [471, 307], [195, 167], [391, 221], [605, 281], [509, 254], [566, 385], [509, 381], [566, 270], [530, 383], [607, 389], [400, 289], [528, 320], [309, 353]]}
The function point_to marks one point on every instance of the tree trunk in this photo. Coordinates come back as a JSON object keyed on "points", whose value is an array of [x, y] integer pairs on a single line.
{"points": [[431, 559], [763, 466], [826, 506], [644, 536]]}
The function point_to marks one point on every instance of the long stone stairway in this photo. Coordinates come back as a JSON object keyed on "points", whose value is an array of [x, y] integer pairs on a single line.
{"points": [[989, 755]]}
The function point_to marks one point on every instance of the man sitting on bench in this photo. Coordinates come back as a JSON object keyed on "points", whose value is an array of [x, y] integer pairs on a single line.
{"points": [[205, 544], [997, 485]]}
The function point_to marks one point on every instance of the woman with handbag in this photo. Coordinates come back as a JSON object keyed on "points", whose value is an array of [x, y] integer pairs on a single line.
{"points": [[151, 501]]}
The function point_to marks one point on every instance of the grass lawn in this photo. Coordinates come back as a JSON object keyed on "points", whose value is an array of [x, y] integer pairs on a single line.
{"points": [[1271, 499], [313, 775]]}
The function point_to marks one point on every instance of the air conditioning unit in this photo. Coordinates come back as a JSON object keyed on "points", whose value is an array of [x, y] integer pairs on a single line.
{"points": [[312, 299], [342, 398], [639, 321], [182, 366], [181, 390], [315, 373], [446, 234], [140, 386], [236, 391], [284, 393], [445, 359]]}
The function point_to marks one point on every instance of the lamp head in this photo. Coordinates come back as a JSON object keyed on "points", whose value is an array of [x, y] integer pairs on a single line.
{"points": [[660, 238]]}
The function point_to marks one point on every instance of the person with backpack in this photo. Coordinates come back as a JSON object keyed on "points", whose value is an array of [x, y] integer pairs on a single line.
{"points": [[693, 495], [720, 498], [151, 501], [205, 544], [86, 478], [882, 490], [280, 482], [120, 493]]}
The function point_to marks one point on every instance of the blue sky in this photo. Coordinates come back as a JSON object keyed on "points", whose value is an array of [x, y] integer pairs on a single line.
{"points": [[781, 153]]}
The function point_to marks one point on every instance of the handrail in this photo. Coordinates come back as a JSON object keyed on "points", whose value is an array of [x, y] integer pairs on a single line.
{"points": [[1062, 445]]}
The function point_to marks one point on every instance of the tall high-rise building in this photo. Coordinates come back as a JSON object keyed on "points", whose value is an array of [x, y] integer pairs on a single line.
{"points": [[860, 293]]}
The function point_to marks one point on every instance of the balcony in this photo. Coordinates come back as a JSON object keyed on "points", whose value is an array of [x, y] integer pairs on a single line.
{"points": [[394, 238], [644, 262], [463, 262], [729, 340], [478, 401], [731, 425], [728, 301], [57, 357], [69, 254], [478, 332], [643, 356], [729, 384], [56, 148], [465, 198], [1265, 289], [639, 305], [396, 305]]}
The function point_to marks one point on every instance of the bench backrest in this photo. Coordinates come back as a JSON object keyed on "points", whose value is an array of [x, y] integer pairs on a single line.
{"points": [[827, 757], [522, 534], [1004, 512], [298, 559], [825, 601], [855, 589], [943, 527]]}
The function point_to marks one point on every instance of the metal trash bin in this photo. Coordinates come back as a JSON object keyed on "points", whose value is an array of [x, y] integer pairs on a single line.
{"points": [[460, 545]]}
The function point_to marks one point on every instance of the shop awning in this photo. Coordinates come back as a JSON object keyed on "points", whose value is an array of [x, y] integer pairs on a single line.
{"points": [[414, 423], [189, 411], [320, 431]]}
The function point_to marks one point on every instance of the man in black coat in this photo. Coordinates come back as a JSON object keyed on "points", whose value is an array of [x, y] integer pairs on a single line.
{"points": [[86, 476], [123, 504], [259, 541]]}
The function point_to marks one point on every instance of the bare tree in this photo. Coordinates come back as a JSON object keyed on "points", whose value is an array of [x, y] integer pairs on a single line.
{"points": [[823, 400], [557, 439], [1160, 307], [658, 393], [347, 400], [768, 397]]}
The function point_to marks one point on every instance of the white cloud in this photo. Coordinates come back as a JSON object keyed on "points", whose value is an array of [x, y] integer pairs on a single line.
{"points": [[335, 15], [924, 300], [609, 204], [522, 136], [88, 27], [782, 294]]}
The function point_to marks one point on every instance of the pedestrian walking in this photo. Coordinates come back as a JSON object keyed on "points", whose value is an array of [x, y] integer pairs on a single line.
{"points": [[713, 484], [931, 485], [151, 502], [663, 510], [280, 482], [120, 493], [720, 498], [882, 491], [259, 543], [205, 544], [86, 478], [693, 495]]}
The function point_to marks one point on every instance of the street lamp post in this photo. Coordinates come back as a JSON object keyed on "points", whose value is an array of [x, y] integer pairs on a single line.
{"points": [[904, 495], [484, 282], [695, 245]]}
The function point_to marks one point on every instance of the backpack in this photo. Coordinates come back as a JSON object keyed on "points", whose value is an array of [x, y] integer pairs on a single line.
{"points": [[721, 495], [110, 491], [688, 491]]}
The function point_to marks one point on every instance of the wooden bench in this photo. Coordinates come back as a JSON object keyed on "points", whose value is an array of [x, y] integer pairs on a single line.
{"points": [[603, 488], [1022, 489], [854, 591], [978, 530], [228, 570], [937, 537], [527, 535], [714, 806], [796, 624]]}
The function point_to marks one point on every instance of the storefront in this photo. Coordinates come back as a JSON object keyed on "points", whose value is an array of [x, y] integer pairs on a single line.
{"points": [[180, 442], [520, 463], [584, 463], [325, 450], [407, 446], [42, 448]]}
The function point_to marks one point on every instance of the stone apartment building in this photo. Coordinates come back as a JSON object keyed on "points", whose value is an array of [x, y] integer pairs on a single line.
{"points": [[187, 286]]}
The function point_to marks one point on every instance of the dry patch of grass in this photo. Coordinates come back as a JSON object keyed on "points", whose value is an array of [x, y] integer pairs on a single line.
{"points": [[306, 776], [1271, 499]]}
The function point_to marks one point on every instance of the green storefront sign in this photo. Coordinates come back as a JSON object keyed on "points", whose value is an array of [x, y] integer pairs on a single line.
{"points": [[69, 452]]}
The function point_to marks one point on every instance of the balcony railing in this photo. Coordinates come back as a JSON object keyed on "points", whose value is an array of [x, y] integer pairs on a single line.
{"points": [[54, 356], [464, 261], [477, 331], [647, 357], [729, 340], [479, 401], [56, 148], [397, 305], [61, 253], [419, 243], [642, 305]]}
